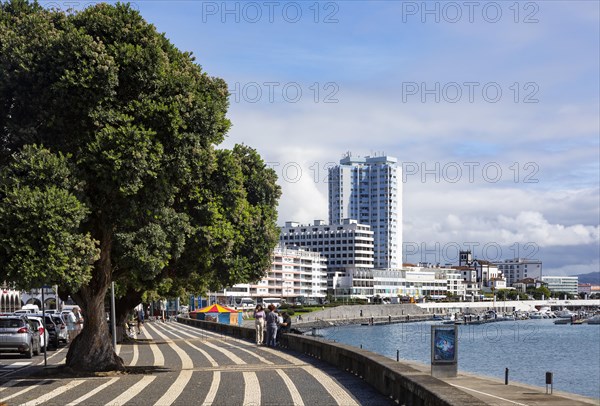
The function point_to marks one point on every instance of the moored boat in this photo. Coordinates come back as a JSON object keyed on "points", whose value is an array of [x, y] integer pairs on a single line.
{"points": [[562, 321], [594, 319], [564, 314], [578, 321]]}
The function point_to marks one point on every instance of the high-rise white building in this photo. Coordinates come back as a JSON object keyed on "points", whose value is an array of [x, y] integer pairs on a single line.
{"points": [[369, 190]]}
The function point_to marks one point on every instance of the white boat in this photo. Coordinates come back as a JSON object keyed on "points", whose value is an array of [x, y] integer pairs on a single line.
{"points": [[594, 319], [564, 314], [562, 321]]}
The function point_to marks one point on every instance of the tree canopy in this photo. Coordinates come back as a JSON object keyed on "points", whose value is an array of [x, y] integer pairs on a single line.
{"points": [[110, 171]]}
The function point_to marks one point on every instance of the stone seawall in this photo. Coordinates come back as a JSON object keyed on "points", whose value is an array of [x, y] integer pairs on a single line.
{"points": [[357, 314]]}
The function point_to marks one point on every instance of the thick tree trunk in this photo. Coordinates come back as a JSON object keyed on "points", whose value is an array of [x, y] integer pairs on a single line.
{"points": [[92, 349], [124, 307]]}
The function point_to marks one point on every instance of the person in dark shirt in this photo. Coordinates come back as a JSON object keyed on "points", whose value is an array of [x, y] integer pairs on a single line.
{"points": [[286, 324], [271, 322]]}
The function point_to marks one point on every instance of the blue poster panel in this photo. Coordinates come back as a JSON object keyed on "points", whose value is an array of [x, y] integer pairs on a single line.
{"points": [[443, 345]]}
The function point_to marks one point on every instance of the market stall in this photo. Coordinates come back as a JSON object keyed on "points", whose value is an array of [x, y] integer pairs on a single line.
{"points": [[218, 314]]}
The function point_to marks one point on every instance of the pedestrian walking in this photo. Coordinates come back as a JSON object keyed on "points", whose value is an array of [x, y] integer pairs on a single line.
{"points": [[131, 326], [140, 321], [271, 321], [71, 325], [78, 321], [259, 324]]}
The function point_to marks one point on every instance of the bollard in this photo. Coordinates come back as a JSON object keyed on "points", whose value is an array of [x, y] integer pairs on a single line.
{"points": [[397, 355], [506, 376]]}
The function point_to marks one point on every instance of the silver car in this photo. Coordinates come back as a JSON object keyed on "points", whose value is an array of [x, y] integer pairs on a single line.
{"points": [[61, 327], [17, 334]]}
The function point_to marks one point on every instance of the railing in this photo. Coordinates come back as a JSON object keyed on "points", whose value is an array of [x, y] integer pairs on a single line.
{"points": [[396, 380]]}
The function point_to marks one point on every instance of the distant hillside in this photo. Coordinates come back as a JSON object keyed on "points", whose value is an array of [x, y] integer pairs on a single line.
{"points": [[592, 277]]}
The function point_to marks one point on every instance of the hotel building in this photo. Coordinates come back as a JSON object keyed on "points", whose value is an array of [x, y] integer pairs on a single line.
{"points": [[295, 274], [348, 247], [369, 190], [520, 268]]}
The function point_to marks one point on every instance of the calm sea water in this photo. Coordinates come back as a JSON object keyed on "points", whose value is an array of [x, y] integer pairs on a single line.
{"points": [[528, 348]]}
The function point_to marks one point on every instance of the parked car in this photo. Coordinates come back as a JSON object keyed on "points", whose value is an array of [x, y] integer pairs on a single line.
{"points": [[61, 328], [51, 328], [17, 334], [39, 325]]}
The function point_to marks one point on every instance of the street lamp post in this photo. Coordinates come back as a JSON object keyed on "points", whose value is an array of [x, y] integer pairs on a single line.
{"points": [[44, 325]]}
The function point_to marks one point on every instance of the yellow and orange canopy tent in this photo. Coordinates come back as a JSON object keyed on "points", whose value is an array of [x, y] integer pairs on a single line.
{"points": [[216, 308], [218, 313]]}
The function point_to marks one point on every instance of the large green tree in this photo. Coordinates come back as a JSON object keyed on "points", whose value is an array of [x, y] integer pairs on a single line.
{"points": [[110, 172]]}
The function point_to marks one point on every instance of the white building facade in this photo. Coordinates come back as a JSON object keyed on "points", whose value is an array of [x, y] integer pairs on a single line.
{"points": [[348, 247], [347, 244], [520, 268], [566, 284], [369, 190], [455, 285], [10, 299], [295, 274]]}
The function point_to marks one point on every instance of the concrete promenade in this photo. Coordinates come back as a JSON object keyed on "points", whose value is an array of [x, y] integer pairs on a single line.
{"points": [[489, 390], [494, 392], [176, 364]]}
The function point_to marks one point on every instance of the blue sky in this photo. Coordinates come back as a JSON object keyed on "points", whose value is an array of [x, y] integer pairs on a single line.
{"points": [[396, 77]]}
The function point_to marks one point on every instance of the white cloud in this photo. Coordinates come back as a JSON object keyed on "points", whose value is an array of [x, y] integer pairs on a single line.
{"points": [[559, 210], [525, 227]]}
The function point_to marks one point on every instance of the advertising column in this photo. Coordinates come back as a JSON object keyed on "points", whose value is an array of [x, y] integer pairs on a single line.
{"points": [[444, 351]]}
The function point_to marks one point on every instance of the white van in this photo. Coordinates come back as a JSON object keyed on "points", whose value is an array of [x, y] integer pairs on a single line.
{"points": [[246, 303], [276, 301], [28, 308]]}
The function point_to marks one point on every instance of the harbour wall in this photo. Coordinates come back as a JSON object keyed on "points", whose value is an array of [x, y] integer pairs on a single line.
{"points": [[506, 305], [397, 380]]}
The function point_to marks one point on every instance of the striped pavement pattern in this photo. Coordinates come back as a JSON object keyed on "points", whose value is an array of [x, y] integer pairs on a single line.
{"points": [[188, 366]]}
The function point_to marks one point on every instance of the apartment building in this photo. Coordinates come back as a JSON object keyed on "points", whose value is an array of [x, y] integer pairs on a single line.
{"points": [[348, 247], [520, 268], [295, 275], [369, 189]]}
